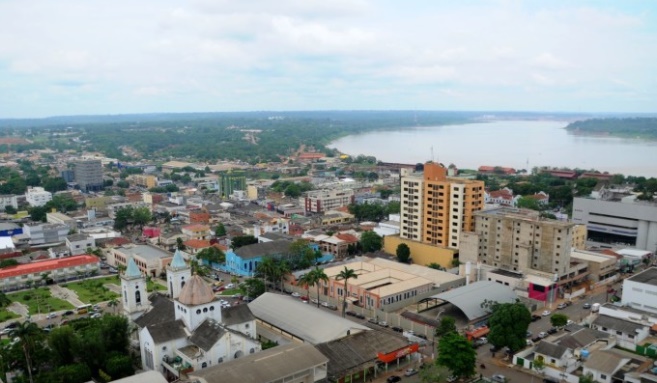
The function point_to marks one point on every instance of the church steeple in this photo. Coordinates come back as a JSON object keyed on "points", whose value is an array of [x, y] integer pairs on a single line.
{"points": [[178, 273], [133, 287]]}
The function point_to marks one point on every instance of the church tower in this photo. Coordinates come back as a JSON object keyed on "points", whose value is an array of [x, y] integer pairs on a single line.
{"points": [[178, 273], [133, 285]]}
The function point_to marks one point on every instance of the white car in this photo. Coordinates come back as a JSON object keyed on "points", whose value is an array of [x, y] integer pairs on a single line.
{"points": [[51, 315], [498, 378], [542, 334], [296, 295], [546, 313]]}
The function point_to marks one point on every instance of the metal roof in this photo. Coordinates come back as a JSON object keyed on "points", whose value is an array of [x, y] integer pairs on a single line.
{"points": [[469, 298], [302, 320]]}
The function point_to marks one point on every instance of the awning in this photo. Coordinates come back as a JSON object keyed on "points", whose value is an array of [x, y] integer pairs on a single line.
{"points": [[392, 356]]}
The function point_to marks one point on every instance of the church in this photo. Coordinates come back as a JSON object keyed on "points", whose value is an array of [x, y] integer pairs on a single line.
{"points": [[187, 330]]}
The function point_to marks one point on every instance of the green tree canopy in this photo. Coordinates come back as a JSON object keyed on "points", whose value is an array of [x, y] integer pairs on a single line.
{"points": [[559, 320], [220, 231], [253, 287], [457, 354], [403, 253], [508, 325], [447, 325], [242, 240], [345, 275], [371, 241], [212, 255]]}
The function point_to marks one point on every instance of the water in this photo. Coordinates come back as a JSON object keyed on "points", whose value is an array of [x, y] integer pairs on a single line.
{"points": [[516, 144]]}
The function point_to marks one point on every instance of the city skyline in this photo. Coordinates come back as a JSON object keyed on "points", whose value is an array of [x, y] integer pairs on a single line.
{"points": [[73, 57]]}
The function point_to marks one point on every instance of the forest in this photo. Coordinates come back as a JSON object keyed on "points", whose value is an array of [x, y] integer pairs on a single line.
{"points": [[213, 136], [631, 127]]}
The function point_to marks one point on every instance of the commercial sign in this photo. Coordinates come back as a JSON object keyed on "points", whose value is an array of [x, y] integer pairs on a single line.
{"points": [[392, 356]]}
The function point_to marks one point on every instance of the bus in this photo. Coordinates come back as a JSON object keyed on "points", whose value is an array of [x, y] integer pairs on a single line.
{"points": [[83, 309]]}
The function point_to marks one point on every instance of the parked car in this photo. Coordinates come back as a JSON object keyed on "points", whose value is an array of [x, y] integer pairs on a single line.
{"points": [[393, 379], [329, 306], [12, 325], [296, 295], [529, 334], [421, 336], [67, 313], [351, 313], [536, 318], [552, 330], [360, 316], [51, 315], [561, 306], [587, 305], [498, 378], [314, 300], [6, 331], [536, 339], [542, 334], [546, 313], [397, 329], [410, 372], [383, 323], [494, 348]]}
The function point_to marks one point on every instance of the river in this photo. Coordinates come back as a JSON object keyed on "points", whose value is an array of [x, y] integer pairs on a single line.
{"points": [[516, 144]]}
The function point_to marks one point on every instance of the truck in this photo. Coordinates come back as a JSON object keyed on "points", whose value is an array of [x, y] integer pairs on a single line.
{"points": [[595, 307]]}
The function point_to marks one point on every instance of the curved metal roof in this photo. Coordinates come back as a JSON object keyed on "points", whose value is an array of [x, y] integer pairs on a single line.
{"points": [[469, 298]]}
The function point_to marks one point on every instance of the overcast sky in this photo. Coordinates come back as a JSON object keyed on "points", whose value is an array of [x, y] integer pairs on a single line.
{"points": [[69, 57]]}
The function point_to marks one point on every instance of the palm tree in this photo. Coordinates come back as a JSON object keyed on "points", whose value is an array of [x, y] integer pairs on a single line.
{"points": [[283, 270], [28, 333], [346, 274], [314, 278], [266, 269], [113, 303]]}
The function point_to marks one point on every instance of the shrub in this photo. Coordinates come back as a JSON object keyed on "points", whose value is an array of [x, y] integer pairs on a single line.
{"points": [[27, 297]]}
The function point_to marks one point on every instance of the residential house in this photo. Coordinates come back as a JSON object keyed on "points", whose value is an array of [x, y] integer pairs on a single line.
{"points": [[245, 260], [603, 365], [554, 355], [193, 246], [502, 197], [79, 243], [628, 334], [201, 232]]}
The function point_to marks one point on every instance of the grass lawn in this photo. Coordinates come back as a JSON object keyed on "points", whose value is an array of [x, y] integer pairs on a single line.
{"points": [[40, 300], [231, 292], [92, 290], [6, 315], [154, 286], [114, 279]]}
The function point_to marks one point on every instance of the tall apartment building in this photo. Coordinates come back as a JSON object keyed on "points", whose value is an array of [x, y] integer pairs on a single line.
{"points": [[319, 201], [89, 175], [435, 208], [519, 240], [37, 196]]}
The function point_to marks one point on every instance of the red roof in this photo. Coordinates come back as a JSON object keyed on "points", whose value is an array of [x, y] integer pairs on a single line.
{"points": [[46, 266], [197, 243], [118, 241], [502, 193], [347, 237]]}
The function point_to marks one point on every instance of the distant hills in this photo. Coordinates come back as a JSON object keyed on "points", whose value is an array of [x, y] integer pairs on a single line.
{"points": [[630, 127]]}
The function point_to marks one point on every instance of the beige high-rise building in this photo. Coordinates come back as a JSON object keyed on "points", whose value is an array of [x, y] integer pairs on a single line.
{"points": [[435, 208], [519, 240]]}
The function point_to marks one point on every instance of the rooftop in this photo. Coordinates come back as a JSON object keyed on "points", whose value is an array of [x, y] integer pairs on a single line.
{"points": [[302, 320], [49, 265], [469, 298], [648, 277], [263, 249], [145, 252]]}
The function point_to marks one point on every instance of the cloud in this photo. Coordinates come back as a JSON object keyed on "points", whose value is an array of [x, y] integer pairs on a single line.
{"points": [[208, 54]]}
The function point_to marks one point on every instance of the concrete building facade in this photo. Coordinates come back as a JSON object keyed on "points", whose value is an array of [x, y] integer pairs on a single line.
{"points": [[37, 196], [617, 216], [443, 206], [319, 201], [89, 175], [640, 291]]}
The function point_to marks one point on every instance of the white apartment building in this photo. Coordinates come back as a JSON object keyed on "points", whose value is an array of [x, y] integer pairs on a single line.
{"points": [[37, 196], [411, 205], [9, 200], [79, 243], [319, 201]]}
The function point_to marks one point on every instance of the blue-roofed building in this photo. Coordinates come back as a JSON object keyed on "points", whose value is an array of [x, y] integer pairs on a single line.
{"points": [[8, 229]]}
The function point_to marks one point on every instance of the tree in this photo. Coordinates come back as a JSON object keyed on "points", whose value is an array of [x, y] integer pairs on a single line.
{"points": [[62, 341], [314, 278], [457, 354], [447, 325], [8, 262], [123, 218], [141, 216], [529, 203], [435, 266], [292, 191], [179, 244], [220, 231], [508, 325], [212, 255], [266, 269], [539, 365], [242, 240], [10, 209], [29, 335], [588, 378], [253, 287], [113, 303], [403, 253], [345, 275], [370, 242], [431, 373], [559, 320]]}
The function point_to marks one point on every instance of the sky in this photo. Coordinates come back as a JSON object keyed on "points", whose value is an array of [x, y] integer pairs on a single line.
{"points": [[72, 57]]}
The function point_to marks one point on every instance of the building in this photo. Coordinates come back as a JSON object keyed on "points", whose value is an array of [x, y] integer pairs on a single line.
{"points": [[387, 285], [435, 208], [44, 233], [628, 334], [502, 197], [319, 201], [193, 330], [519, 240], [151, 260], [245, 260], [616, 216], [59, 270], [293, 362], [601, 267], [197, 231], [89, 175], [37, 196], [61, 219], [8, 229], [640, 291], [230, 182], [79, 243], [9, 200]]}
